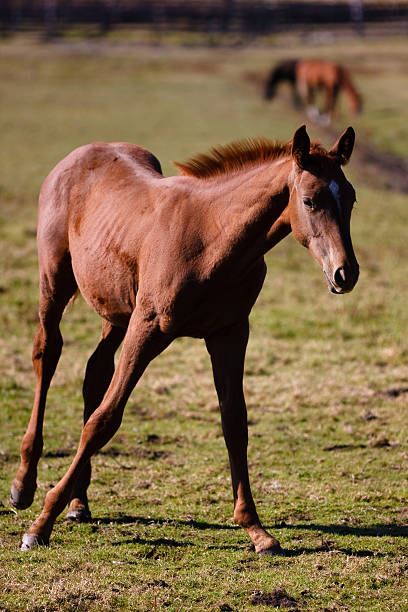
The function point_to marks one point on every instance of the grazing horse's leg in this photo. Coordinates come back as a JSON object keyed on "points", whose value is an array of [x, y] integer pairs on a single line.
{"points": [[57, 286], [308, 94], [99, 372], [331, 99], [227, 353], [143, 341]]}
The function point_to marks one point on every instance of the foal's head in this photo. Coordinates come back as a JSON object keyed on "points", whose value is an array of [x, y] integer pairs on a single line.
{"points": [[320, 205]]}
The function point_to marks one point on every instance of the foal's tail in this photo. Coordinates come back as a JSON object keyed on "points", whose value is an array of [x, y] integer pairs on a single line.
{"points": [[285, 71], [354, 98]]}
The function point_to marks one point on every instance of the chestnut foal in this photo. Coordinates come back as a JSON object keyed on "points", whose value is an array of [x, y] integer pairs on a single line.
{"points": [[158, 258]]}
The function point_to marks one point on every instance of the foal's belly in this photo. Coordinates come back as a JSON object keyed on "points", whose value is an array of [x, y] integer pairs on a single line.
{"points": [[108, 289]]}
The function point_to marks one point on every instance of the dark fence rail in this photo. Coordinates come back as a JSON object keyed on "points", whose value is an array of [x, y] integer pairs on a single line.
{"points": [[246, 16]]}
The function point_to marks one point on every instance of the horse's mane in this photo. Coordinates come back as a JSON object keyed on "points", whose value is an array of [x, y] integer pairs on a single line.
{"points": [[237, 155]]}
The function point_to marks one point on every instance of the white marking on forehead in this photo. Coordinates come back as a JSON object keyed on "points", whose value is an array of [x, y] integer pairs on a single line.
{"points": [[334, 188]]}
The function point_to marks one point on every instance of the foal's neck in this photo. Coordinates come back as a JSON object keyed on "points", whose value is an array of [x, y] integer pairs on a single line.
{"points": [[252, 206]]}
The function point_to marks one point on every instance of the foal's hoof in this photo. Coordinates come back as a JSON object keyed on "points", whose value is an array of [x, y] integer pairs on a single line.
{"points": [[269, 546], [79, 515], [31, 540], [272, 551], [20, 499]]}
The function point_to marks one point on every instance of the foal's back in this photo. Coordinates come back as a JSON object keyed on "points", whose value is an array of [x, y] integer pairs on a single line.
{"points": [[94, 208]]}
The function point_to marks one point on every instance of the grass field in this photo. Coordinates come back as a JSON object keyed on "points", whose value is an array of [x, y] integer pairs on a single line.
{"points": [[326, 376]]}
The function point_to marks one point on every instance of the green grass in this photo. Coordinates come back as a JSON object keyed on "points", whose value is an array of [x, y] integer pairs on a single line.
{"points": [[326, 376]]}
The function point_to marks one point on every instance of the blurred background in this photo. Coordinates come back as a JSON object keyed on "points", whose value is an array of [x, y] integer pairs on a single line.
{"points": [[177, 56], [246, 17]]}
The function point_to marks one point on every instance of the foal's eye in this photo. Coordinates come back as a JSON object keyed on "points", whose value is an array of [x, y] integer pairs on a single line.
{"points": [[308, 202]]}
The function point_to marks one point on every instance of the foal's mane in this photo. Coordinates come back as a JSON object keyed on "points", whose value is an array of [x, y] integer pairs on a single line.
{"points": [[237, 155]]}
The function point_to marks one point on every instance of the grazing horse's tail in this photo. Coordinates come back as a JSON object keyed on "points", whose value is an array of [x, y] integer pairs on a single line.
{"points": [[352, 94], [72, 300], [285, 71]]}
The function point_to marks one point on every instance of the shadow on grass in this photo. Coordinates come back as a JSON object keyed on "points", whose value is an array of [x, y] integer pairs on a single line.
{"points": [[349, 552], [141, 520], [371, 531], [396, 531], [157, 542], [170, 543]]}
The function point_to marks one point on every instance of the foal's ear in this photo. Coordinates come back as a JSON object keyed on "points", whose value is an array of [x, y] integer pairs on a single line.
{"points": [[301, 146], [344, 146]]}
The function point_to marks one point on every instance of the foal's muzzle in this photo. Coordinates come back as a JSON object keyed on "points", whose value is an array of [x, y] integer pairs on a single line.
{"points": [[343, 279]]}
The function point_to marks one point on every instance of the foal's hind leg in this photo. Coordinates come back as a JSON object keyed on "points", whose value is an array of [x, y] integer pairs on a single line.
{"points": [[143, 341], [99, 372], [227, 353], [57, 286]]}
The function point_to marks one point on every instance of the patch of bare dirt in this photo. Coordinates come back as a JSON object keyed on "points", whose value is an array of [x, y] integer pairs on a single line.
{"points": [[277, 599], [395, 392], [385, 170], [379, 441]]}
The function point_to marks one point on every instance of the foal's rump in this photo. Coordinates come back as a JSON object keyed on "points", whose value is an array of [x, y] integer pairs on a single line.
{"points": [[94, 208]]}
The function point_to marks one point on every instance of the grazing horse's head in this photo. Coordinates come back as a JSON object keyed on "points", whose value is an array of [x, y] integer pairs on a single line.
{"points": [[320, 205]]}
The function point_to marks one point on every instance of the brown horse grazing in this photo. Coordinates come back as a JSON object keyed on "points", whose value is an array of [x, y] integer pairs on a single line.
{"points": [[160, 258], [308, 77]]}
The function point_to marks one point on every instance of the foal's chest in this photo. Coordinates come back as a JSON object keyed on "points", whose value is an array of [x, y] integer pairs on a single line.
{"points": [[200, 309]]}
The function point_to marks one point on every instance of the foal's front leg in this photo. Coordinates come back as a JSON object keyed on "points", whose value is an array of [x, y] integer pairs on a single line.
{"points": [[143, 341], [227, 353]]}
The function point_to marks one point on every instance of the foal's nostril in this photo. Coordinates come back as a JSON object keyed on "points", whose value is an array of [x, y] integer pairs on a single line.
{"points": [[340, 277]]}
